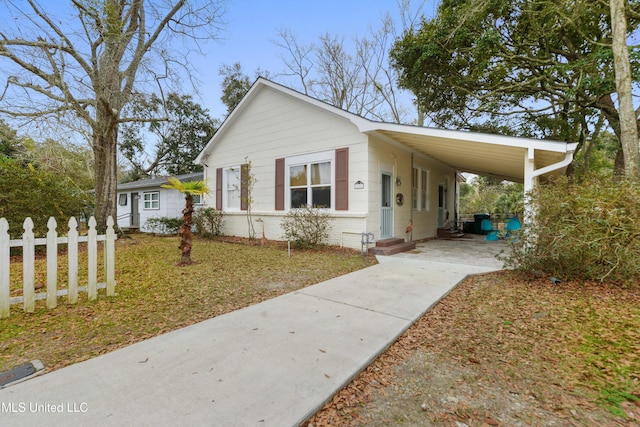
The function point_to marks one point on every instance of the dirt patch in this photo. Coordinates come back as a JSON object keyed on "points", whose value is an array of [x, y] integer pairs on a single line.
{"points": [[502, 350]]}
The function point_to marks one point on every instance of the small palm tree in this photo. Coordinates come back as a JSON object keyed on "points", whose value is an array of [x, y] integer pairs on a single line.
{"points": [[189, 189]]}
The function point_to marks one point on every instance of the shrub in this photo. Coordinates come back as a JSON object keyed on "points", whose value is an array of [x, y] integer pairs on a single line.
{"points": [[306, 227], [208, 222], [26, 191], [164, 225], [582, 230]]}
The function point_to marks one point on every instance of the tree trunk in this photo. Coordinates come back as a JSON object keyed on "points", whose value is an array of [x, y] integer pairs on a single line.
{"points": [[628, 121], [185, 234], [104, 151]]}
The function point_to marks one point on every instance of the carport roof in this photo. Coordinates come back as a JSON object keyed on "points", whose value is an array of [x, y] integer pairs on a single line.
{"points": [[480, 153]]}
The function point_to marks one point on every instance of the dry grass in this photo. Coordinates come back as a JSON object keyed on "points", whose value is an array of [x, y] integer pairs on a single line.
{"points": [[155, 296]]}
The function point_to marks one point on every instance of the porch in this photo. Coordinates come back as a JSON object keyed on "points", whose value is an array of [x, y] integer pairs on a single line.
{"points": [[473, 250]]}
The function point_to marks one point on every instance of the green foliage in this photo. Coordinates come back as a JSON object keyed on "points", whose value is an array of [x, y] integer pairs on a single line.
{"points": [[585, 229], [533, 62], [164, 225], [306, 227], [208, 222], [234, 85], [485, 195], [178, 140], [39, 194]]}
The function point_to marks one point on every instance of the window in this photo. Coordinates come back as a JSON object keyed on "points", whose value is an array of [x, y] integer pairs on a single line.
{"points": [[424, 194], [414, 188], [122, 199], [152, 200], [310, 180], [232, 188], [197, 199], [420, 189]]}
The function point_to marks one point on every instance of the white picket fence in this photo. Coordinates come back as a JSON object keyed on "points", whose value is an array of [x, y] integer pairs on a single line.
{"points": [[28, 244]]}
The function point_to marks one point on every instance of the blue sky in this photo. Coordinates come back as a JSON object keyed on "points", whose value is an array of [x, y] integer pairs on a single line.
{"points": [[253, 25]]}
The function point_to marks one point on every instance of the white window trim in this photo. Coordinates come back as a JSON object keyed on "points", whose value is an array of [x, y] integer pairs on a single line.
{"points": [[423, 192], [144, 201], [305, 159], [225, 196]]}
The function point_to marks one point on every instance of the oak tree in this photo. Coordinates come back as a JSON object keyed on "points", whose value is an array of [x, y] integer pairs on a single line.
{"points": [[81, 64]]}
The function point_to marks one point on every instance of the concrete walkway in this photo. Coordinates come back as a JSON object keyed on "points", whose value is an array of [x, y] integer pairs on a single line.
{"points": [[271, 364]]}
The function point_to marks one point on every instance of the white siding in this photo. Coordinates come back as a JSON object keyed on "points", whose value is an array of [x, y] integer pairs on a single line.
{"points": [[399, 159], [171, 204], [275, 125]]}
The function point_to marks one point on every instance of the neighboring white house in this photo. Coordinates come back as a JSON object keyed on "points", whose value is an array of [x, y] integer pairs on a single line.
{"points": [[140, 200], [371, 177]]}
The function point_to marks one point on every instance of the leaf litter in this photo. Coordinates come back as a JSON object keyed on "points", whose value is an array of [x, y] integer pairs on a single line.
{"points": [[505, 349]]}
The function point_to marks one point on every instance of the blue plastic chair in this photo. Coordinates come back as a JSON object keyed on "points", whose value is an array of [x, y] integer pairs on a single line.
{"points": [[514, 224], [487, 226]]}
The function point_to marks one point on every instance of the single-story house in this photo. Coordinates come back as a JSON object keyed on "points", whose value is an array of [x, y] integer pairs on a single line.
{"points": [[140, 200], [371, 177]]}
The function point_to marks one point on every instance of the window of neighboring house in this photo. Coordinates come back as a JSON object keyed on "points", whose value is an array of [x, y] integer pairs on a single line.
{"points": [[310, 180], [424, 193], [122, 199], [152, 200], [197, 199], [414, 188], [231, 187]]}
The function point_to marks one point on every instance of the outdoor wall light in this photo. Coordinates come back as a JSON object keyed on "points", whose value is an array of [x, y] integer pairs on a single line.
{"points": [[398, 181], [359, 185]]}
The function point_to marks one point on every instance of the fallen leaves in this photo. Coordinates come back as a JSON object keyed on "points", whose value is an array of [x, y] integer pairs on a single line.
{"points": [[531, 351]]}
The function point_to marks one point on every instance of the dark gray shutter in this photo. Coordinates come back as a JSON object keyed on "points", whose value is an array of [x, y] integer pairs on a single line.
{"points": [[219, 188]]}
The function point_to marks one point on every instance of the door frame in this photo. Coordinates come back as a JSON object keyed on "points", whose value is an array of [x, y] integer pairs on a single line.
{"points": [[386, 204]]}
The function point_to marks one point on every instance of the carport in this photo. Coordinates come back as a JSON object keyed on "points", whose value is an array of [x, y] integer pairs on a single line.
{"points": [[523, 160]]}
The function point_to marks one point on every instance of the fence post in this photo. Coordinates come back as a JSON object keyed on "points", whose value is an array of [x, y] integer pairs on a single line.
{"points": [[110, 258], [28, 266], [92, 253], [5, 278], [52, 263], [72, 254]]}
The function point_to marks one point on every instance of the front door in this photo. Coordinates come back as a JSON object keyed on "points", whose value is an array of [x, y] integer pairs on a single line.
{"points": [[135, 213], [441, 205], [386, 206]]}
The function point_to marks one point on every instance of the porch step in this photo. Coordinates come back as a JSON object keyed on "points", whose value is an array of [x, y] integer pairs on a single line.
{"points": [[389, 242], [448, 234], [391, 246]]}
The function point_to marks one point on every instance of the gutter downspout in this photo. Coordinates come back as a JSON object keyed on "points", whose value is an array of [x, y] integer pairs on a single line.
{"points": [[531, 174]]}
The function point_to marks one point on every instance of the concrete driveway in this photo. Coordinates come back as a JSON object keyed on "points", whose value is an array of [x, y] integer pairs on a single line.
{"points": [[472, 250], [271, 364]]}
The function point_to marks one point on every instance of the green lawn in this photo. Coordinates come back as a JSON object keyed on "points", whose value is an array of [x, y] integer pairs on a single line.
{"points": [[156, 296]]}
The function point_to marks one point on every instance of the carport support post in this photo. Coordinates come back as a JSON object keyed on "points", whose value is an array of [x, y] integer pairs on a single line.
{"points": [[530, 181]]}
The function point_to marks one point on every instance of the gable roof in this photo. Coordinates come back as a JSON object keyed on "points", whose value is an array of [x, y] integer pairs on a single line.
{"points": [[481, 153], [158, 181]]}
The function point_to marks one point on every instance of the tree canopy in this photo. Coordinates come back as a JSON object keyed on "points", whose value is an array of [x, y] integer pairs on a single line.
{"points": [[548, 66], [177, 141]]}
